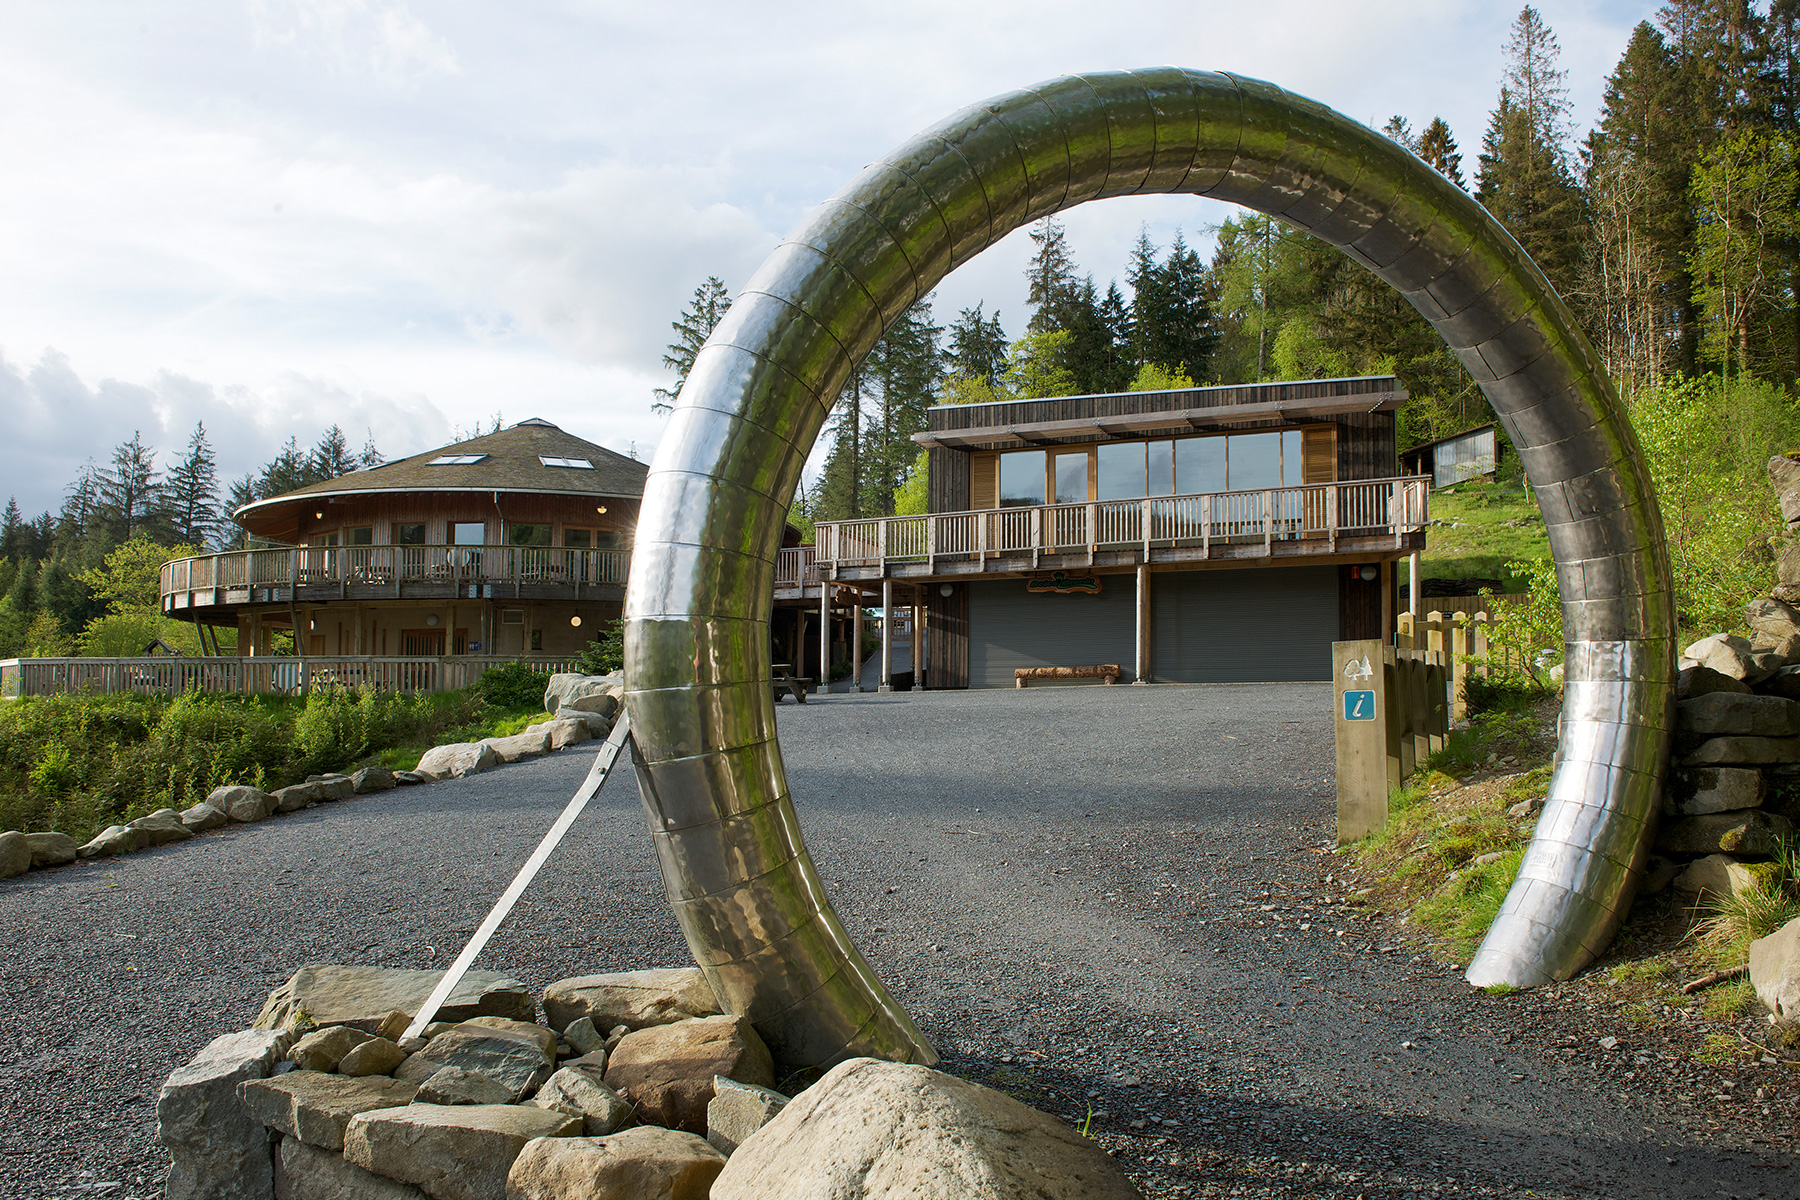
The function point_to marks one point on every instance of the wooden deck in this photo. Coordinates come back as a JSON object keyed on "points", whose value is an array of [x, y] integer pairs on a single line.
{"points": [[1373, 518]]}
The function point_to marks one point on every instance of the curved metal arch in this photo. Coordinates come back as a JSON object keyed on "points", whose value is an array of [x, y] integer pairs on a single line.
{"points": [[697, 639]]}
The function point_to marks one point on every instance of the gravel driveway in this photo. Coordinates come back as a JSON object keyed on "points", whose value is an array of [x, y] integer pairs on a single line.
{"points": [[1103, 900]]}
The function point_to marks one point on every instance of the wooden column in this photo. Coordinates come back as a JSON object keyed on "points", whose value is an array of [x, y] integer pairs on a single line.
{"points": [[824, 637], [1143, 624], [1386, 578], [918, 639], [1412, 583], [887, 636], [854, 642]]}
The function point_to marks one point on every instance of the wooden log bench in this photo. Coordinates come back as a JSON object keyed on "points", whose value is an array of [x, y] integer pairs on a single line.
{"points": [[1106, 672]]}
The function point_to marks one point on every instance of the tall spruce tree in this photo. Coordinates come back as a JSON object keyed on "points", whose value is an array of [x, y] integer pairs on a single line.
{"points": [[977, 345], [1437, 146], [13, 531], [191, 493], [1171, 322], [692, 328], [1526, 180], [128, 495], [289, 469], [331, 457]]}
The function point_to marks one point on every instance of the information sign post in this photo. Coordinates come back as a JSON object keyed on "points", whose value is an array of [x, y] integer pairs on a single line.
{"points": [[1361, 677]]}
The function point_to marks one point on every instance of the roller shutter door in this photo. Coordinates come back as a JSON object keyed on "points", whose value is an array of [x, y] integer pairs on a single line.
{"points": [[1011, 628], [1250, 626]]}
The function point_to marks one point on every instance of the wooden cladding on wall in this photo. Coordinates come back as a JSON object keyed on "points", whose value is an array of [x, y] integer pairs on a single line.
{"points": [[1366, 446], [947, 637], [1064, 408], [1318, 454], [984, 479], [947, 480], [437, 511]]}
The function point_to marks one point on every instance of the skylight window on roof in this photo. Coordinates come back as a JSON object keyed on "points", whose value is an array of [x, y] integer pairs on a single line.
{"points": [[550, 460], [455, 460]]}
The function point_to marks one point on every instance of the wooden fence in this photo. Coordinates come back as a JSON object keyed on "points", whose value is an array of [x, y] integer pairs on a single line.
{"points": [[165, 676]]}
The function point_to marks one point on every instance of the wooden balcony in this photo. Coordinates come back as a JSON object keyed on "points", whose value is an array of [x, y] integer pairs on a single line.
{"points": [[323, 574], [1371, 518]]}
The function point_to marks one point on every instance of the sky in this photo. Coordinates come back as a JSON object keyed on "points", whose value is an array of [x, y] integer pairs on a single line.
{"points": [[276, 215]]}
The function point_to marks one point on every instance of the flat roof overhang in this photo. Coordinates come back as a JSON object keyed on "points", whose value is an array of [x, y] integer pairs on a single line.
{"points": [[1179, 420]]}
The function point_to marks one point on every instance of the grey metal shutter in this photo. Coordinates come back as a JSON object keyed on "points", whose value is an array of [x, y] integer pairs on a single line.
{"points": [[1011, 628], [1273, 625]]}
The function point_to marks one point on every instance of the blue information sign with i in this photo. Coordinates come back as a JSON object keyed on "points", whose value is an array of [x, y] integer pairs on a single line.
{"points": [[1359, 706]]}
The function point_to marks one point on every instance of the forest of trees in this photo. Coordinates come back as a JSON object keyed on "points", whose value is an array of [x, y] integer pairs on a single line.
{"points": [[1672, 229], [83, 579]]}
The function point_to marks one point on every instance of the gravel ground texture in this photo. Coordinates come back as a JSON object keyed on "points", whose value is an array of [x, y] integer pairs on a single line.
{"points": [[1111, 902]]}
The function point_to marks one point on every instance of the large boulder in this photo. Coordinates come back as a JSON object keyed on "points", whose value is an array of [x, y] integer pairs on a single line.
{"points": [[1701, 681], [451, 1152], [297, 796], [243, 804], [519, 745], [1738, 714], [202, 817], [364, 997], [1751, 833], [1775, 970], [1743, 752], [1784, 477], [595, 724], [333, 786], [304, 1172], [218, 1147], [1720, 877], [160, 828], [1771, 622], [457, 760], [634, 999], [323, 1049], [639, 1164], [667, 1070], [15, 854], [364, 780], [738, 1110], [580, 1092], [1725, 653], [453, 1085], [1703, 790], [316, 1107], [377, 1056], [565, 689], [567, 732], [877, 1129], [517, 1055], [52, 849], [114, 839]]}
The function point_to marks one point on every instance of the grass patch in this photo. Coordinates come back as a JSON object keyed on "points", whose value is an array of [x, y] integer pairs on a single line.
{"points": [[1480, 526], [1732, 922]]}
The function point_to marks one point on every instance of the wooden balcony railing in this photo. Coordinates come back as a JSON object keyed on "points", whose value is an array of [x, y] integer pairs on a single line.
{"points": [[392, 568], [261, 675], [1245, 520], [796, 567]]}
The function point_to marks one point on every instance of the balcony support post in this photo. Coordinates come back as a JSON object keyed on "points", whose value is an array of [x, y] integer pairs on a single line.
{"points": [[1142, 668], [918, 638], [854, 642], [824, 635], [887, 634]]}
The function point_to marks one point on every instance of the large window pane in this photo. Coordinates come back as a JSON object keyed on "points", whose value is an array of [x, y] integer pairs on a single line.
{"points": [[363, 535], [529, 535], [1255, 461], [1071, 478], [1162, 468], [1120, 474], [468, 533], [1021, 478], [409, 535], [1200, 465], [1292, 471]]}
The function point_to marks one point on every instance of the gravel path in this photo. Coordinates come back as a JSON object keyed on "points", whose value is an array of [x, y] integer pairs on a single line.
{"points": [[1100, 899]]}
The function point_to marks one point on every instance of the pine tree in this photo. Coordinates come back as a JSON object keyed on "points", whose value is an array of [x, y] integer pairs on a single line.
{"points": [[13, 532], [697, 321], [127, 492], [191, 494], [331, 458], [1437, 146], [1525, 179], [369, 456], [285, 472], [242, 492], [1400, 130], [1050, 276], [906, 367], [977, 345], [1171, 324]]}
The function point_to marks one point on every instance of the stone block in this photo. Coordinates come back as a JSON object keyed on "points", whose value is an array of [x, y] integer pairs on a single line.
{"points": [[51, 849], [1701, 790], [1701, 681], [634, 999], [363, 997], [372, 779], [333, 786], [454, 1085], [457, 760], [1738, 714], [160, 828], [1775, 970], [667, 1070], [1772, 621], [114, 839], [304, 1172], [519, 746], [323, 1049], [639, 1164], [377, 1056], [219, 1149], [1718, 876], [738, 1110], [202, 817], [15, 854], [296, 796], [567, 732], [1725, 653], [1751, 833], [460, 1152], [1742, 752], [515, 1054], [579, 1091], [315, 1106], [243, 804]]}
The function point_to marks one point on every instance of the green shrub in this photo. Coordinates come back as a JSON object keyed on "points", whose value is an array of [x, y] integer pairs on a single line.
{"points": [[512, 685], [605, 654]]}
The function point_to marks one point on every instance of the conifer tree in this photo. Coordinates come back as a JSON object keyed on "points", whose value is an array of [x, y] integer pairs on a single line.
{"points": [[191, 493], [288, 470], [127, 491], [977, 345], [1437, 146], [695, 325], [369, 456], [331, 458], [13, 531]]}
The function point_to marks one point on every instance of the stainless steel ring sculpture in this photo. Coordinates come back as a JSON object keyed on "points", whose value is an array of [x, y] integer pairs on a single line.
{"points": [[697, 610]]}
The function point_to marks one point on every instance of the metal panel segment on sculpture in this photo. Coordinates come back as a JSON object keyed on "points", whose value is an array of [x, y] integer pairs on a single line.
{"points": [[892, 233]]}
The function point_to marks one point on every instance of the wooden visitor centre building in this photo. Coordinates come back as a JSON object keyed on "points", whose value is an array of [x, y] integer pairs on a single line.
{"points": [[1216, 534]]}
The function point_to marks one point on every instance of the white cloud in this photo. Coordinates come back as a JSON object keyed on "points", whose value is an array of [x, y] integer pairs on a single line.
{"points": [[385, 41]]}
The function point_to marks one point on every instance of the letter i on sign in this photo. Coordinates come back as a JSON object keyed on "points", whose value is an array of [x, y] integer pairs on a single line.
{"points": [[1359, 705]]}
